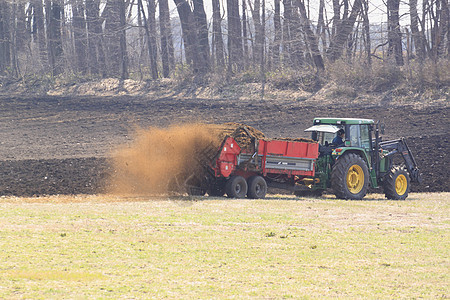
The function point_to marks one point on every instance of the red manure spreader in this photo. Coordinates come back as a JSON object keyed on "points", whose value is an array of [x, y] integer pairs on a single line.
{"points": [[246, 163]]}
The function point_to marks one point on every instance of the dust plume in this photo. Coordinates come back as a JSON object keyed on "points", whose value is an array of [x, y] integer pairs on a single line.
{"points": [[156, 156]]}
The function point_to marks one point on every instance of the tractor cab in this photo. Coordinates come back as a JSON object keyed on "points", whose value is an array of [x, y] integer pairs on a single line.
{"points": [[357, 131]]}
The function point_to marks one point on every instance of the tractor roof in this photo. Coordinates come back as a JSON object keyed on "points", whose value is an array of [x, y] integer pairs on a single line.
{"points": [[339, 121]]}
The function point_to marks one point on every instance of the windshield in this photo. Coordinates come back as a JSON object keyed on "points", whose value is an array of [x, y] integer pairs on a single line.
{"points": [[324, 138]]}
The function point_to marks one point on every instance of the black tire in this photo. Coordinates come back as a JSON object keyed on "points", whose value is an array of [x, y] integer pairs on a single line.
{"points": [[257, 187], [236, 187], [396, 184], [350, 177], [216, 189]]}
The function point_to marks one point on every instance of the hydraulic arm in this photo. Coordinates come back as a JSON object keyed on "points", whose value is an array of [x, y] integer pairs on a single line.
{"points": [[400, 146]]}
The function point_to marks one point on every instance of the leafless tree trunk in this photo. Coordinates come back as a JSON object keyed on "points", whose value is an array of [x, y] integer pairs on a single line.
{"points": [[150, 42], [277, 35], [342, 31], [293, 36], [320, 30], [217, 34], [245, 33], [190, 39], [336, 17], [167, 51], [40, 28], [259, 38], [286, 44], [5, 51], [440, 25], [54, 43], [394, 33], [235, 51], [312, 40], [150, 27], [96, 53], [123, 40], [366, 24], [115, 26], [262, 54], [202, 35], [79, 33], [417, 35]]}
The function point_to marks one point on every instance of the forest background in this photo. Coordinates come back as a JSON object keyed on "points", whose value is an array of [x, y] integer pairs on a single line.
{"points": [[345, 46]]}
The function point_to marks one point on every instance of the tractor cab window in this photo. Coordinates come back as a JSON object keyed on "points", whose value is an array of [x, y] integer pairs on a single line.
{"points": [[325, 138], [359, 136], [354, 136], [365, 137]]}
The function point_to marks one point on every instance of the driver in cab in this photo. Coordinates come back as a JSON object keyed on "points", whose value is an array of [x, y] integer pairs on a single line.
{"points": [[338, 141]]}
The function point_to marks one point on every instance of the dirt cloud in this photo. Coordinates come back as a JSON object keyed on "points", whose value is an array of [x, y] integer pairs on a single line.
{"points": [[156, 156]]}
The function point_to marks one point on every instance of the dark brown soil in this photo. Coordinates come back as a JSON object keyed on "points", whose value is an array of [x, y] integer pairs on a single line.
{"points": [[60, 145]]}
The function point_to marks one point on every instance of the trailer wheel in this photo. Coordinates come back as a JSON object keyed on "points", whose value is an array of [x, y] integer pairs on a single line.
{"points": [[236, 187], [396, 184], [350, 177], [257, 187]]}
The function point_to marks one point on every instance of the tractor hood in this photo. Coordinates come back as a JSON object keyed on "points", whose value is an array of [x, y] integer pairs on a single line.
{"points": [[324, 128]]}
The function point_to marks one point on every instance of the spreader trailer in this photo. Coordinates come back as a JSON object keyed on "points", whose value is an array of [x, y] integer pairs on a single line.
{"points": [[309, 166]]}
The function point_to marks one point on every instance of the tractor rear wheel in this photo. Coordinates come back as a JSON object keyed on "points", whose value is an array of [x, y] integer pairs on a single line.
{"points": [[236, 187], [350, 177], [257, 187], [396, 184]]}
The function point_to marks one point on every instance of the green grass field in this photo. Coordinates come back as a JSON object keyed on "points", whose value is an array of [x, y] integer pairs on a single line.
{"points": [[284, 247]]}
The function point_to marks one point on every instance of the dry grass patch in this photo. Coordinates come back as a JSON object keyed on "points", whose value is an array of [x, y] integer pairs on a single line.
{"points": [[110, 247]]}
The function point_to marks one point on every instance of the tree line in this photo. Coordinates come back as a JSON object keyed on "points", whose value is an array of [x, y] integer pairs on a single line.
{"points": [[115, 38]]}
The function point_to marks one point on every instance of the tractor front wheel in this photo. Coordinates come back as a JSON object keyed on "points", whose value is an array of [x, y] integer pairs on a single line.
{"points": [[236, 187], [396, 184], [350, 177]]}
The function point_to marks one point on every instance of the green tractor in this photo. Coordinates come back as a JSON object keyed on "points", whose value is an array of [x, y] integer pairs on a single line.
{"points": [[360, 160]]}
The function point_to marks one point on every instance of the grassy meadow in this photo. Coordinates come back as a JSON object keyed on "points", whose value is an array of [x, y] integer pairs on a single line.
{"points": [[110, 247]]}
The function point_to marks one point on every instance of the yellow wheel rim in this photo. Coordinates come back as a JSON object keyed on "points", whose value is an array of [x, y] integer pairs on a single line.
{"points": [[355, 179], [401, 183]]}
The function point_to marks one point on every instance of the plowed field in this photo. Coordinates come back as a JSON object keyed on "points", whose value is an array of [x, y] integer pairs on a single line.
{"points": [[61, 145]]}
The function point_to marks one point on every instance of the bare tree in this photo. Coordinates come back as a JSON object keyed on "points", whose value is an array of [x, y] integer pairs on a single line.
{"points": [[79, 35], [311, 38], [192, 47], [167, 51], [292, 36], [5, 50], [417, 35], [151, 42], [235, 50], [278, 33], [54, 43], [202, 34], [367, 40], [40, 31], [394, 34], [259, 38], [217, 34], [96, 53], [342, 30]]}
